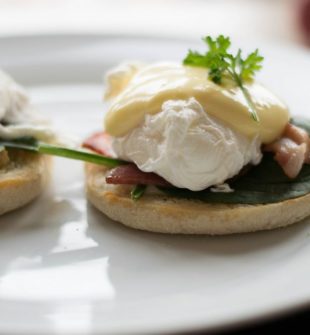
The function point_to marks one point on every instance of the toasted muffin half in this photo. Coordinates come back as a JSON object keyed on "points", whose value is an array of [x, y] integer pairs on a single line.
{"points": [[23, 176], [165, 214]]}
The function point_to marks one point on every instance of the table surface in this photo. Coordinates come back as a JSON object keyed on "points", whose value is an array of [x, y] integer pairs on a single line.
{"points": [[298, 320]]}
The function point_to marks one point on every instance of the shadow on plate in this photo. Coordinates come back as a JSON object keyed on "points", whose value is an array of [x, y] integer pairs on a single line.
{"points": [[227, 246]]}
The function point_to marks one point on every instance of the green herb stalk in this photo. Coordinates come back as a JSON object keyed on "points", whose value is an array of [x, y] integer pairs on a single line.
{"points": [[222, 64]]}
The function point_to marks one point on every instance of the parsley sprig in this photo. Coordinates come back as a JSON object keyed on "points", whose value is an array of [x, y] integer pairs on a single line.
{"points": [[222, 64]]}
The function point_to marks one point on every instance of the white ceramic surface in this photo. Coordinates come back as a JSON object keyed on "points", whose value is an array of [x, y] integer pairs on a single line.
{"points": [[66, 268]]}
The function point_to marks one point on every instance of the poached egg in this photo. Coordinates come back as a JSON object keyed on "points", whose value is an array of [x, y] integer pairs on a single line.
{"points": [[18, 116], [172, 120]]}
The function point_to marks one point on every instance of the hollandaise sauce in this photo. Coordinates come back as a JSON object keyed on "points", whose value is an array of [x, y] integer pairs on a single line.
{"points": [[154, 84]]}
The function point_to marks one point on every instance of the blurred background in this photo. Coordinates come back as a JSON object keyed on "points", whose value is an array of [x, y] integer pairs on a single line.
{"points": [[286, 21]]}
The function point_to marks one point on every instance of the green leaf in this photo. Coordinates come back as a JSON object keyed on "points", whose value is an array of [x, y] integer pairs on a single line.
{"points": [[250, 65], [193, 58], [138, 192], [31, 144], [27, 143], [219, 45], [265, 183], [221, 63]]}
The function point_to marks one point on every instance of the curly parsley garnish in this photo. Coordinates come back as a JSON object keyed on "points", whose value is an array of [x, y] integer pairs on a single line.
{"points": [[221, 64]]}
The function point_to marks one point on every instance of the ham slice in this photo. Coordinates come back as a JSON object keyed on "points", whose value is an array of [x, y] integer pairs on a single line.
{"points": [[125, 174], [130, 174], [292, 150], [101, 143]]}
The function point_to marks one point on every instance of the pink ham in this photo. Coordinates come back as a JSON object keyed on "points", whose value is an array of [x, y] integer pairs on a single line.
{"points": [[124, 174], [101, 143], [291, 150], [131, 175]]}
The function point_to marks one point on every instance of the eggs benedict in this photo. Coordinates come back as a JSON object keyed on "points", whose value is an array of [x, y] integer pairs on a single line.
{"points": [[23, 175], [195, 136]]}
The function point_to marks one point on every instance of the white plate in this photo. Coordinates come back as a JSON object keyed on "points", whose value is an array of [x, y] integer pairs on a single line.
{"points": [[64, 267]]}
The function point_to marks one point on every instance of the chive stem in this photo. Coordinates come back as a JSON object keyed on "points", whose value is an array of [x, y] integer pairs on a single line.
{"points": [[137, 192], [81, 155], [31, 144]]}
